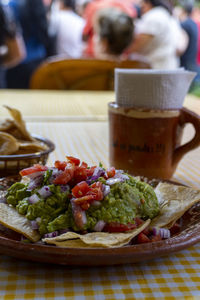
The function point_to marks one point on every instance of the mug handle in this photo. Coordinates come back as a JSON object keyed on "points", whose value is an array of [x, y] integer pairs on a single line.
{"points": [[187, 116]]}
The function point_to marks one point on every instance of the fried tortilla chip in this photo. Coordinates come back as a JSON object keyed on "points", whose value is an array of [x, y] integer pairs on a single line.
{"points": [[8, 144], [31, 147], [6, 125], [72, 244], [174, 201], [19, 122], [10, 218], [96, 239]]}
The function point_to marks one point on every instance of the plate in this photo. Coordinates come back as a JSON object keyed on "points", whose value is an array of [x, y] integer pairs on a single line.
{"points": [[189, 235]]}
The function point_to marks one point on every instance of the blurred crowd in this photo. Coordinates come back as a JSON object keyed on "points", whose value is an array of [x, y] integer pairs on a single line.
{"points": [[163, 33]]}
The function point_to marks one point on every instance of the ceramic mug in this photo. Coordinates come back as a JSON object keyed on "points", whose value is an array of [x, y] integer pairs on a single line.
{"points": [[148, 142]]}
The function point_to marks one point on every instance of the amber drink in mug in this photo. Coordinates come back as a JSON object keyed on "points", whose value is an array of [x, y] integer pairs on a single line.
{"points": [[148, 142], [145, 139]]}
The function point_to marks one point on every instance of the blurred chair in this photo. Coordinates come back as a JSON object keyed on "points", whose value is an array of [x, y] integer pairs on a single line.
{"points": [[80, 74]]}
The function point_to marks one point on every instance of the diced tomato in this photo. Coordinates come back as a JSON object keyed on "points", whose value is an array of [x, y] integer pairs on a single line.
{"points": [[156, 238], [80, 174], [34, 169], [73, 160], [110, 172], [84, 165], [147, 231], [175, 229], [85, 205], [117, 227], [138, 221], [96, 191], [142, 238], [90, 171], [81, 200], [80, 189], [60, 165], [97, 184], [66, 175]]}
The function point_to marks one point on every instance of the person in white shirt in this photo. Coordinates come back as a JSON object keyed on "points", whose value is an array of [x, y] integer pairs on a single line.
{"points": [[157, 35], [69, 28]]}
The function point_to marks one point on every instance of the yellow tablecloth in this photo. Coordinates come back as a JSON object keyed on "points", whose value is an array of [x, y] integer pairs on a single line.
{"points": [[77, 123]]}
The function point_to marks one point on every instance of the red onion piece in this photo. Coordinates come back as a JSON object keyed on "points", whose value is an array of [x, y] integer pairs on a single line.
{"points": [[44, 192], [106, 190], [113, 180], [79, 215], [3, 200], [33, 199], [163, 232], [61, 231], [51, 234], [99, 226], [34, 225], [35, 182], [98, 172]]}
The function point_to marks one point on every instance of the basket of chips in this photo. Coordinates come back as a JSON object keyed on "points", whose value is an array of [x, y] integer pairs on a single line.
{"points": [[18, 148]]}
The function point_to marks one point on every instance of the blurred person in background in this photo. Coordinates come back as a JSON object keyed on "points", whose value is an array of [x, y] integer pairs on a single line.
{"points": [[12, 49], [113, 33], [68, 29], [90, 16], [157, 35], [31, 16], [81, 6], [196, 18], [189, 57]]}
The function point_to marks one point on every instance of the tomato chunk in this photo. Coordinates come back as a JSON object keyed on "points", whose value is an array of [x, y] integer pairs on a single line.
{"points": [[60, 165], [80, 174], [142, 238], [175, 229], [85, 205], [90, 171], [80, 189], [117, 227], [73, 160], [66, 175], [81, 200], [110, 172], [34, 169], [84, 165], [96, 190], [138, 221]]}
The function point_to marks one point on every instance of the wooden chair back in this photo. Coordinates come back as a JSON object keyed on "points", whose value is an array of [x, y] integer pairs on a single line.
{"points": [[79, 74]]}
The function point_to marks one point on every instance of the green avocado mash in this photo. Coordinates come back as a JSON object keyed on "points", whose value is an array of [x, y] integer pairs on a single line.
{"points": [[125, 201], [45, 210]]}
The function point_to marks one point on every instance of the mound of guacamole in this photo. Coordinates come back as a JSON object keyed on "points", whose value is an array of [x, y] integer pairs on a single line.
{"points": [[53, 211]]}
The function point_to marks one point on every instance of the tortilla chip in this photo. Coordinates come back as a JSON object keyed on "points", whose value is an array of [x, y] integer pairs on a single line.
{"points": [[6, 125], [31, 147], [8, 144], [174, 201], [97, 239], [19, 122], [72, 244], [10, 218]]}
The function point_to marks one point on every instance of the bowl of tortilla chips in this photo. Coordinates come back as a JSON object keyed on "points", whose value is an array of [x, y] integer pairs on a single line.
{"points": [[18, 148]]}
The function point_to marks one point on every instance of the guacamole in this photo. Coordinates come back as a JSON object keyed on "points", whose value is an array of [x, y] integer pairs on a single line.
{"points": [[78, 197]]}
